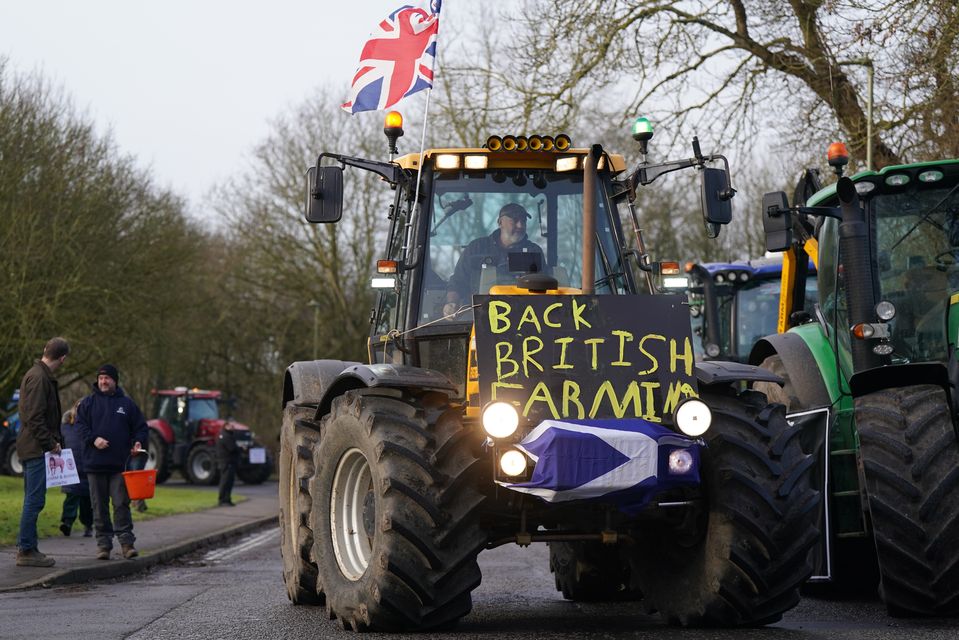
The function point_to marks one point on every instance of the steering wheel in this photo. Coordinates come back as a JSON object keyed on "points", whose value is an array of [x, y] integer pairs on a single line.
{"points": [[945, 259]]}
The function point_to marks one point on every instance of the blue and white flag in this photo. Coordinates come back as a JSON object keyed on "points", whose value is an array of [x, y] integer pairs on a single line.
{"points": [[621, 461]]}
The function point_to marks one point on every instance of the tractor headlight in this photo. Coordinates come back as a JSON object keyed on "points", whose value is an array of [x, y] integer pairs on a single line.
{"points": [[886, 310], [693, 417], [500, 419], [513, 463], [680, 461]]}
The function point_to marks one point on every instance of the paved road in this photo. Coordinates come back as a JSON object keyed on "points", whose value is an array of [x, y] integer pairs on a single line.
{"points": [[237, 592]]}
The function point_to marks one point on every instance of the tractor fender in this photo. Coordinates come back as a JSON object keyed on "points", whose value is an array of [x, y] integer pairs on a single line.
{"points": [[305, 382], [719, 372], [899, 375], [383, 375], [163, 428], [801, 366]]}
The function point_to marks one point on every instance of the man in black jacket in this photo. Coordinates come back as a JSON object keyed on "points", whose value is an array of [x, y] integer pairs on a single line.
{"points": [[39, 433], [228, 457], [113, 429], [491, 252]]}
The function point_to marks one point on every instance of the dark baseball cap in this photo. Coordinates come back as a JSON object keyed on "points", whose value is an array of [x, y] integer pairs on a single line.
{"points": [[514, 211]]}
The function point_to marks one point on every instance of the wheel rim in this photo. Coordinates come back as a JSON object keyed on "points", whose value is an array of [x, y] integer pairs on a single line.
{"points": [[352, 483], [15, 466], [202, 467], [151, 458], [292, 514]]}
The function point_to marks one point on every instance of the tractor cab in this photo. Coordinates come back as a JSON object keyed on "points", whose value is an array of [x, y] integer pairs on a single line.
{"points": [[913, 218], [184, 409], [471, 199], [732, 305]]}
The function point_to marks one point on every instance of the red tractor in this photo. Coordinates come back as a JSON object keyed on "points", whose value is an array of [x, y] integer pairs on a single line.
{"points": [[183, 433]]}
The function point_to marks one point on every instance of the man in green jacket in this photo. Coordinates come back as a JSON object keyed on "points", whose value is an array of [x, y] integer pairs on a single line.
{"points": [[39, 432]]}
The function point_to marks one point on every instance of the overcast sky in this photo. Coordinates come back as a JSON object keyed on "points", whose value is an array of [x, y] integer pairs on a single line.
{"points": [[188, 86]]}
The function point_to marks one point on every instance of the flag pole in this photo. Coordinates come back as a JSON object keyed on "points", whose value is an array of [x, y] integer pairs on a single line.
{"points": [[419, 165]]}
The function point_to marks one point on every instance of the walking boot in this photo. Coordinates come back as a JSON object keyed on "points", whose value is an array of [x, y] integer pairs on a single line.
{"points": [[103, 554], [33, 558], [65, 529], [129, 552]]}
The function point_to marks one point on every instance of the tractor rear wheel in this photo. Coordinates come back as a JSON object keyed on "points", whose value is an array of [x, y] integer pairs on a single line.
{"points": [[910, 464], [201, 466], [587, 571], [158, 457], [396, 511], [740, 559], [297, 442]]}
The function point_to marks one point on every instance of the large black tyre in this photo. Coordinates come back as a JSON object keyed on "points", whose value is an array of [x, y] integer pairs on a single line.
{"points": [[158, 457], [201, 466], [587, 571], [741, 559], [910, 464], [297, 442], [396, 511]]}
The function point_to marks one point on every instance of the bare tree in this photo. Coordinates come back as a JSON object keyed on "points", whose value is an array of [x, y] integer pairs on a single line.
{"points": [[739, 69], [89, 248]]}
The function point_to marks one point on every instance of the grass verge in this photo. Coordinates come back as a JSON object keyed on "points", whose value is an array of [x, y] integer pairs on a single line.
{"points": [[169, 500]]}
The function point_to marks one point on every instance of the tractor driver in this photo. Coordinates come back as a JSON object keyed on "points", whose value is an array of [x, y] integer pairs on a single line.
{"points": [[490, 251]]}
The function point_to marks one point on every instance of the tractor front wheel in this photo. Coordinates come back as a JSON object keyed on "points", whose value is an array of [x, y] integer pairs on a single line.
{"points": [[201, 466], [910, 465], [12, 463], [739, 559], [297, 442], [396, 511]]}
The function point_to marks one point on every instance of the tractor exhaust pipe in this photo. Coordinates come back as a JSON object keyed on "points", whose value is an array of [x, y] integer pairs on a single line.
{"points": [[589, 218], [855, 249]]}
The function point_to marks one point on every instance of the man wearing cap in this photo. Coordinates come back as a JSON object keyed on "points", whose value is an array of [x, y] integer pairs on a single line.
{"points": [[113, 429], [493, 252], [39, 433]]}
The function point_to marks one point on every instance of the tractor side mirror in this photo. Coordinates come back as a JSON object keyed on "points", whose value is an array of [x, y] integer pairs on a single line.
{"points": [[717, 198], [777, 221], [324, 194]]}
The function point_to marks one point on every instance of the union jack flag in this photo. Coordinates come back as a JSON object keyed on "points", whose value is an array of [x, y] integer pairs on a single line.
{"points": [[398, 58]]}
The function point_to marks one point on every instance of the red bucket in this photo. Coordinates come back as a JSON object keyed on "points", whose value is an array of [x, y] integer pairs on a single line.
{"points": [[140, 484]]}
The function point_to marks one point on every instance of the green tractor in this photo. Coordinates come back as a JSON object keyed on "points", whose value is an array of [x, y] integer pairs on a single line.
{"points": [[555, 400], [877, 362]]}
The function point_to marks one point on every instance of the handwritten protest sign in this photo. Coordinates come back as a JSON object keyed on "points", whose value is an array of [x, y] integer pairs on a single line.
{"points": [[585, 356]]}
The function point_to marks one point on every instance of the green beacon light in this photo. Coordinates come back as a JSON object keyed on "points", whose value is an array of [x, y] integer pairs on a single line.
{"points": [[642, 132]]}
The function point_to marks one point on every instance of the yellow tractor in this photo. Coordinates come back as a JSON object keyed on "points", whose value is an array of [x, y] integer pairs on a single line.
{"points": [[523, 387]]}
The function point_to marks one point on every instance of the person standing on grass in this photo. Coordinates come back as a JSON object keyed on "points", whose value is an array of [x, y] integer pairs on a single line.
{"points": [[39, 433], [113, 429], [77, 496]]}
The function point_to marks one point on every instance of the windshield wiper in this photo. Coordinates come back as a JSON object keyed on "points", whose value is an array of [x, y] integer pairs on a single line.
{"points": [[926, 215], [458, 205]]}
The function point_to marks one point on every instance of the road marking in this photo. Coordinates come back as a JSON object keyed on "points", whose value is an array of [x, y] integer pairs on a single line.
{"points": [[244, 545]]}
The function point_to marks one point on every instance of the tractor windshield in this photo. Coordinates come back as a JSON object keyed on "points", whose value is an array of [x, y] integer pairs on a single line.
{"points": [[917, 240], [488, 229], [203, 408], [757, 310]]}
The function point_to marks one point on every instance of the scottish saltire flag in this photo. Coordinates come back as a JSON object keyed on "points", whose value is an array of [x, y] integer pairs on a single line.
{"points": [[398, 58], [625, 462]]}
